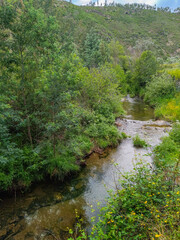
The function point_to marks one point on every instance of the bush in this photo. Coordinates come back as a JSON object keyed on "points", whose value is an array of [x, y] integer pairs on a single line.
{"points": [[138, 142], [147, 207], [160, 88], [168, 152], [175, 133]]}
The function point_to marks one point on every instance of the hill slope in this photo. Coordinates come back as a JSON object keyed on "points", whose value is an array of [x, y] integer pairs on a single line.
{"points": [[137, 29]]}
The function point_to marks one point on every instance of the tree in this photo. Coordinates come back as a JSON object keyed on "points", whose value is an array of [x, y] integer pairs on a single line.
{"points": [[29, 38], [94, 49], [145, 68], [117, 55]]}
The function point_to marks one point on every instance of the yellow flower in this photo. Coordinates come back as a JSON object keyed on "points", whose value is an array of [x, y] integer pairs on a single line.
{"points": [[177, 212], [165, 221], [158, 216], [168, 195], [145, 202], [177, 192], [158, 192], [158, 235], [153, 183]]}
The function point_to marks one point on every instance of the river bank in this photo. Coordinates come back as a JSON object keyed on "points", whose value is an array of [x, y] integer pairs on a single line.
{"points": [[52, 207]]}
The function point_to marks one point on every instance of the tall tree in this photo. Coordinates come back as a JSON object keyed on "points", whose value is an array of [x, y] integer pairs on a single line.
{"points": [[29, 38], [145, 68]]}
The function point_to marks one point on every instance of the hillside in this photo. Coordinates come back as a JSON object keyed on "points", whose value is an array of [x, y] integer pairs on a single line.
{"points": [[137, 29]]}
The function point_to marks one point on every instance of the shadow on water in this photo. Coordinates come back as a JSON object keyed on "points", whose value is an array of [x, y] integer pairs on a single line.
{"points": [[52, 207]]}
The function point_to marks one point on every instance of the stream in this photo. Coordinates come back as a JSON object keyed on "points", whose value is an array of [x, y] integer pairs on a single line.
{"points": [[51, 207]]}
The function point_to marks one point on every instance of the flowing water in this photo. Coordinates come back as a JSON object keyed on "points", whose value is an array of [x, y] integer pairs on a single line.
{"points": [[50, 208]]}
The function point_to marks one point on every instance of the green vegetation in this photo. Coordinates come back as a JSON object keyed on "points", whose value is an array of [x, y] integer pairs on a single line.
{"points": [[147, 205], [168, 152], [138, 142], [63, 71], [53, 109]]}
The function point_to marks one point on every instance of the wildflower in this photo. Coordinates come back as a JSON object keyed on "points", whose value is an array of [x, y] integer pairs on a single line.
{"points": [[145, 202], [165, 221], [168, 195], [177, 192], [177, 212], [158, 216], [158, 235], [153, 183], [158, 192]]}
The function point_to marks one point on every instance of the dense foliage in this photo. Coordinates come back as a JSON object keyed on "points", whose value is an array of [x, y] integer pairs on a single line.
{"points": [[148, 202], [53, 110], [63, 72]]}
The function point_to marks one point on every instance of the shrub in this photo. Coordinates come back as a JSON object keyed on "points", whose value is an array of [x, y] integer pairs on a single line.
{"points": [[175, 133], [147, 207], [138, 142], [168, 152], [160, 88], [169, 109]]}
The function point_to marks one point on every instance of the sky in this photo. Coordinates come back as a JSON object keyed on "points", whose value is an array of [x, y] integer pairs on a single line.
{"points": [[173, 4]]}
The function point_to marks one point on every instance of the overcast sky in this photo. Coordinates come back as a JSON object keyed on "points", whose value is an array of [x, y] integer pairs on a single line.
{"points": [[160, 3]]}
